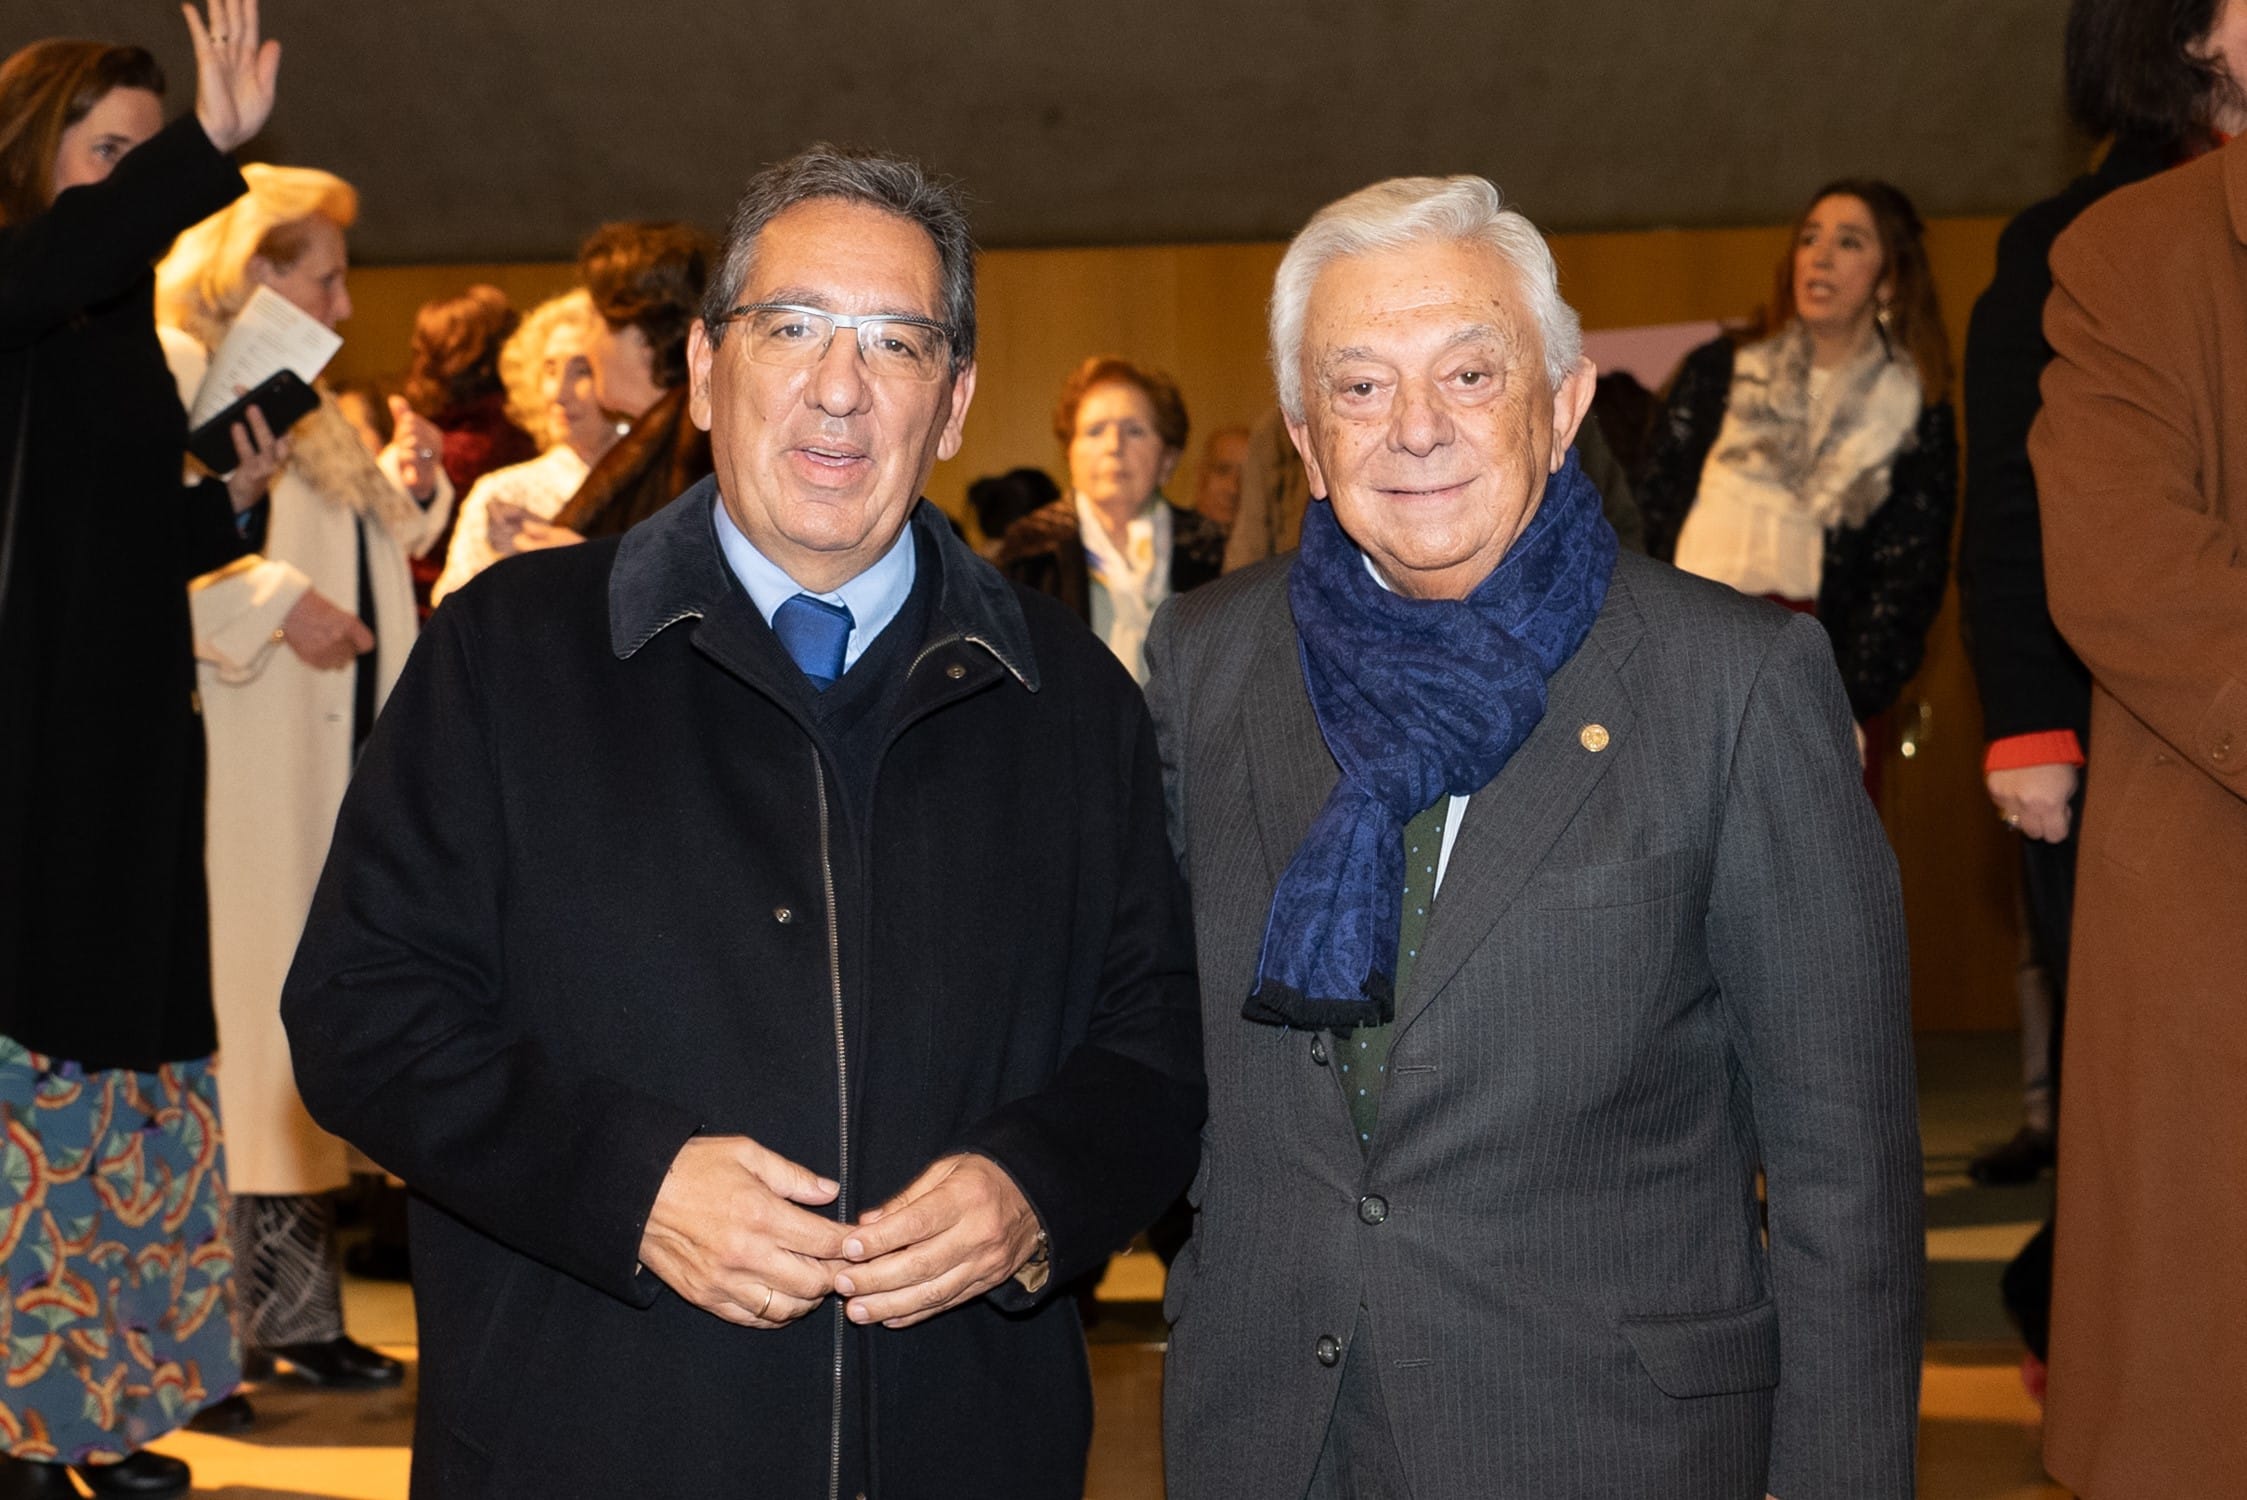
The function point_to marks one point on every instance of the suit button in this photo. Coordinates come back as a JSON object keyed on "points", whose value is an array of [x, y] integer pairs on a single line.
{"points": [[2222, 749], [1329, 1350], [1373, 1209], [1318, 1050], [784, 915]]}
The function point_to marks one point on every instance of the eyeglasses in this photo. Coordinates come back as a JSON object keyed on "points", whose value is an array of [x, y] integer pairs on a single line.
{"points": [[792, 337]]}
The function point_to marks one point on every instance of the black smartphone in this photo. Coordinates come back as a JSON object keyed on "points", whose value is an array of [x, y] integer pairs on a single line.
{"points": [[284, 398]]}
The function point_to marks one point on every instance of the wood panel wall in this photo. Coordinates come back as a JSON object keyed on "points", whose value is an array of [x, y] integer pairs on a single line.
{"points": [[1197, 311]]}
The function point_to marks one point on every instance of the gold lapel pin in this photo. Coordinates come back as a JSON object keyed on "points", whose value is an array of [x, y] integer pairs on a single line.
{"points": [[1593, 737]]}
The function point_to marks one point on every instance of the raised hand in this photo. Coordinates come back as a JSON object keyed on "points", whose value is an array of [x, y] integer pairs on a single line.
{"points": [[234, 71], [412, 454]]}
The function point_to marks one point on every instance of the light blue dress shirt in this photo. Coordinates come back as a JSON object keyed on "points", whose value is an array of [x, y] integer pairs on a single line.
{"points": [[873, 598]]}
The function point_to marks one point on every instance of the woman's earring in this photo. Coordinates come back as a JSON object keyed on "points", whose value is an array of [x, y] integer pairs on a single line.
{"points": [[1885, 316]]}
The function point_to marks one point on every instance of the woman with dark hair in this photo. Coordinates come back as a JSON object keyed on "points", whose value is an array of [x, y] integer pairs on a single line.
{"points": [[1114, 548], [646, 281], [454, 382], [113, 1209], [2159, 84], [1817, 464]]}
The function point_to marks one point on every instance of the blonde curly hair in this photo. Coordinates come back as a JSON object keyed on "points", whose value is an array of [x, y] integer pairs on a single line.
{"points": [[522, 359], [203, 283]]}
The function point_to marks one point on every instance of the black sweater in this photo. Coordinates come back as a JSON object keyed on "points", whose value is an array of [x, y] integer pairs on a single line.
{"points": [[2030, 681]]}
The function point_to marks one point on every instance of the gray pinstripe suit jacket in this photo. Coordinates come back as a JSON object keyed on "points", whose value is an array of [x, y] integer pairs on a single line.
{"points": [[1654, 967]]}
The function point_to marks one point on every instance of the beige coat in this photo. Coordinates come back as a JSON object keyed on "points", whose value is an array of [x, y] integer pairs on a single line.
{"points": [[280, 755], [2141, 470]]}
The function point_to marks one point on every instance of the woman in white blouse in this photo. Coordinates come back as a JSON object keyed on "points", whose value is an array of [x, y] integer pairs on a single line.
{"points": [[1817, 462], [1113, 549], [550, 396]]}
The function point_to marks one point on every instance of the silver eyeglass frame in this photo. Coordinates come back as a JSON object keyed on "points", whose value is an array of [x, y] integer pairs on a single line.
{"points": [[857, 323]]}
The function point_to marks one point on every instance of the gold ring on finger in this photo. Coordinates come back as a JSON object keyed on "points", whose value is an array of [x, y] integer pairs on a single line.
{"points": [[768, 1303]]}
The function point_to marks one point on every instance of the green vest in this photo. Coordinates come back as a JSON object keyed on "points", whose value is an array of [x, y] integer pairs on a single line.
{"points": [[1364, 1053]]}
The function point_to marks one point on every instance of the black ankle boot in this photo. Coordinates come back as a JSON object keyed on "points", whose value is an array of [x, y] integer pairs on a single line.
{"points": [[143, 1476], [21, 1479], [342, 1364]]}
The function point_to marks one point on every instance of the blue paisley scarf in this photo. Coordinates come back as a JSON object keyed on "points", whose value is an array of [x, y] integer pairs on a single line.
{"points": [[1416, 699]]}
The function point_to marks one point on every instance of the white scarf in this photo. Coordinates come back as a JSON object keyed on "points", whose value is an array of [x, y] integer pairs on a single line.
{"points": [[1785, 469], [1127, 584]]}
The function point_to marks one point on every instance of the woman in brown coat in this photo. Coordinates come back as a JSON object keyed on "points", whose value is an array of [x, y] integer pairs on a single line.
{"points": [[2141, 466]]}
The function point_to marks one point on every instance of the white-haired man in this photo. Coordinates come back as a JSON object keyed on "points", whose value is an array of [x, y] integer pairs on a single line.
{"points": [[1539, 910]]}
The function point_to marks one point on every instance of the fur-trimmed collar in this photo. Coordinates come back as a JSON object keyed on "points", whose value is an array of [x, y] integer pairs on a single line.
{"points": [[1831, 459], [325, 452]]}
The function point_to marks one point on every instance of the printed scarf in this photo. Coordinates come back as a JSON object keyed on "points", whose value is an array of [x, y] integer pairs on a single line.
{"points": [[1416, 699]]}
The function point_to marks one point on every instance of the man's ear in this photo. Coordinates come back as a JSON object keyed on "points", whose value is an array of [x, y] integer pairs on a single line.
{"points": [[1572, 398], [701, 353], [1299, 433], [955, 422]]}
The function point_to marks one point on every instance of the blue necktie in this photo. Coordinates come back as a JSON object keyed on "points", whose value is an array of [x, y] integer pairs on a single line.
{"points": [[816, 634]]}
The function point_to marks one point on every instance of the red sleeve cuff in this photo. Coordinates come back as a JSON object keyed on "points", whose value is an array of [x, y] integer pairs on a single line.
{"points": [[2047, 747]]}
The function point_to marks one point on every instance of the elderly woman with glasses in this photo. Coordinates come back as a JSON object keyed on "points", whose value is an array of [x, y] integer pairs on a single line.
{"points": [[1114, 548]]}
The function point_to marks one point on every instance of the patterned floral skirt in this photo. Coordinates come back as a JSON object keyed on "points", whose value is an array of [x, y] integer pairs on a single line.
{"points": [[118, 1320]]}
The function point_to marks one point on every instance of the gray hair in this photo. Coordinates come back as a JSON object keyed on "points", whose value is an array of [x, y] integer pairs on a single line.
{"points": [[894, 184], [1404, 211]]}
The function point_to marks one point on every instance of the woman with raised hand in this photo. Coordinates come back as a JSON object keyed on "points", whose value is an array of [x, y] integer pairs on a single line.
{"points": [[123, 1301]]}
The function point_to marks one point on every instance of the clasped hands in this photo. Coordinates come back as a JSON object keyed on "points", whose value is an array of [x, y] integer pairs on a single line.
{"points": [[734, 1231]]}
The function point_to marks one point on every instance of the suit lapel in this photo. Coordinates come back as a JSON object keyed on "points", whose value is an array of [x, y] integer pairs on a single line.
{"points": [[1290, 773], [1513, 823]]}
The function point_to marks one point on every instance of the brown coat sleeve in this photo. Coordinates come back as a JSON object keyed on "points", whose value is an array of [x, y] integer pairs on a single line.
{"points": [[2142, 556]]}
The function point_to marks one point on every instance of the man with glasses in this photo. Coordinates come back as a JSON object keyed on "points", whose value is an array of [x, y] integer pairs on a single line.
{"points": [[755, 940]]}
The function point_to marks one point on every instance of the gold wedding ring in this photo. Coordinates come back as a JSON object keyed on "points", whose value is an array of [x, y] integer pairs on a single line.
{"points": [[768, 1303]]}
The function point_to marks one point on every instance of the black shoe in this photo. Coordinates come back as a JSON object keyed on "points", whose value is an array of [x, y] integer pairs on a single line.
{"points": [[2021, 1159], [341, 1364], [22, 1479], [378, 1260], [144, 1476], [223, 1418]]}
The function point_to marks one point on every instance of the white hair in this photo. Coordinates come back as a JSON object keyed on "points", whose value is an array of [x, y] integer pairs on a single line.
{"points": [[1408, 210]]}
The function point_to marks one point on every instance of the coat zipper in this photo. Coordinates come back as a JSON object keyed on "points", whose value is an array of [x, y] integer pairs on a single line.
{"points": [[842, 1111], [842, 1059]]}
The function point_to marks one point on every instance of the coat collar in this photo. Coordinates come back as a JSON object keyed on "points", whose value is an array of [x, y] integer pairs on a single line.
{"points": [[1510, 825], [670, 568]]}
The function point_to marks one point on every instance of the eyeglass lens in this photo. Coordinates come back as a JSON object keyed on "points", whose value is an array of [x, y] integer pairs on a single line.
{"points": [[787, 336]]}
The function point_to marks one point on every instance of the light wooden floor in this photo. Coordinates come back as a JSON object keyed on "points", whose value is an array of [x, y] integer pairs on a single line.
{"points": [[1979, 1431]]}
